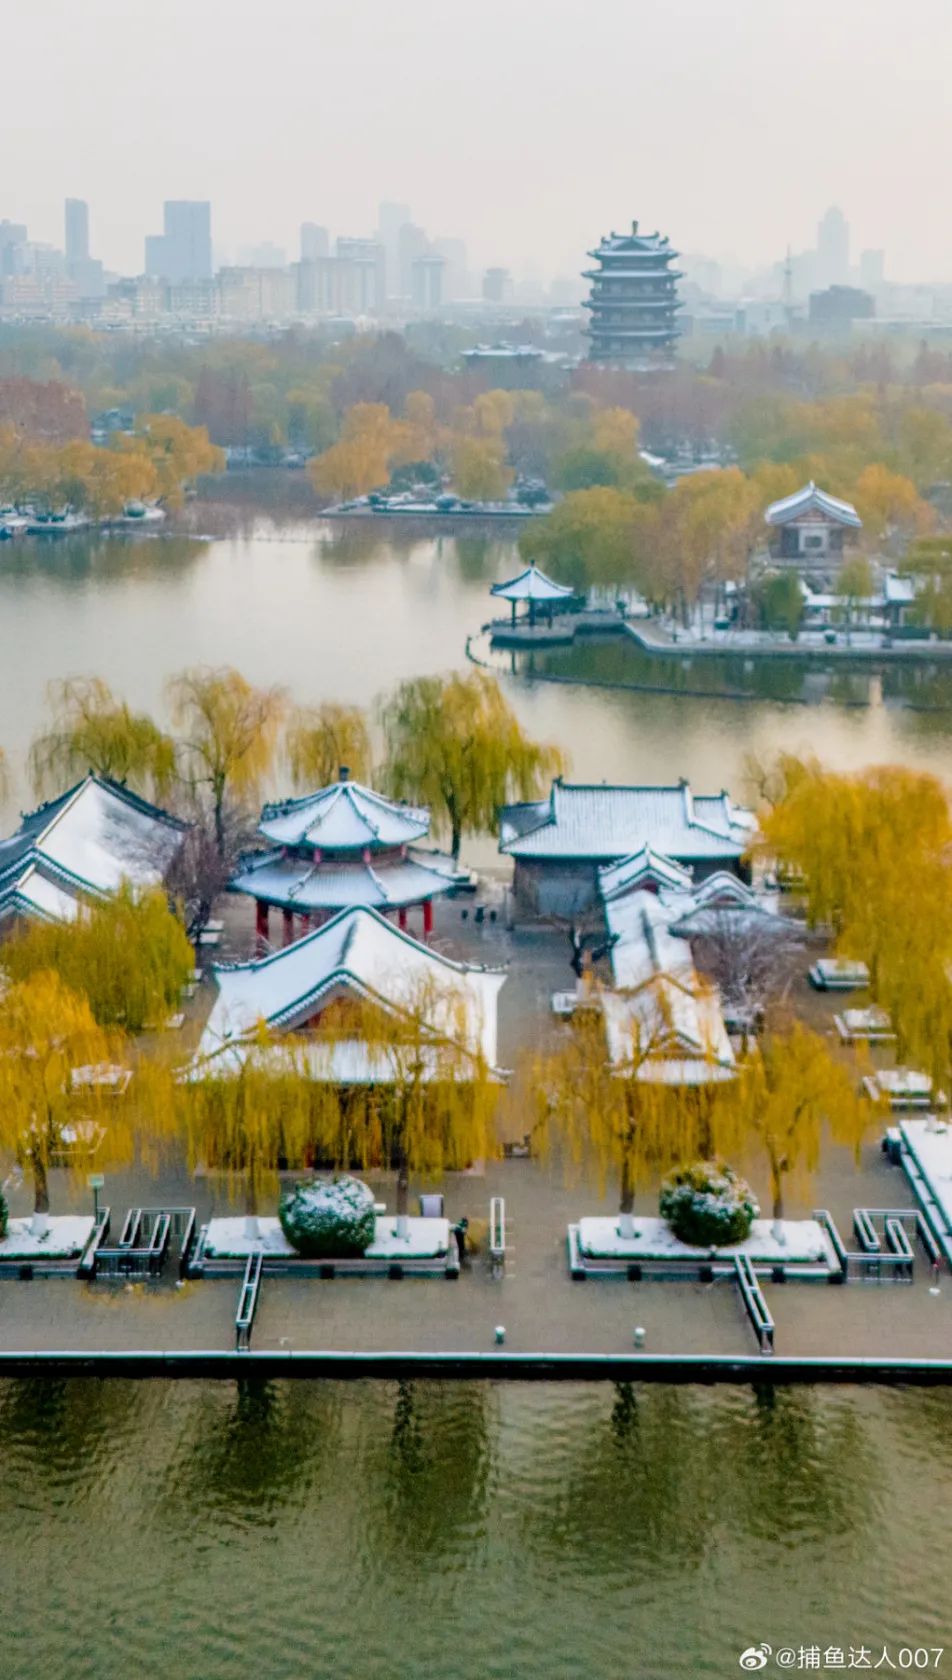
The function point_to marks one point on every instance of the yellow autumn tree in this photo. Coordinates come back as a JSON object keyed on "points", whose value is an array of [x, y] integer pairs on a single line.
{"points": [[48, 1032], [322, 739], [478, 468], [179, 453], [93, 730], [455, 744], [792, 1094], [128, 955], [230, 732]]}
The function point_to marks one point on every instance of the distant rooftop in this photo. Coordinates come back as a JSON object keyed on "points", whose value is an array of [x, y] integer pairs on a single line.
{"points": [[604, 822], [812, 500]]}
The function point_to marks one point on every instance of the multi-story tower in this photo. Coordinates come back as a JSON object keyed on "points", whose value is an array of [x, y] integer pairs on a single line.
{"points": [[183, 250], [633, 300], [77, 230]]}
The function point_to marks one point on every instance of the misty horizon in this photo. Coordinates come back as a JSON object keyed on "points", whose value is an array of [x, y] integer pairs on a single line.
{"points": [[523, 137]]}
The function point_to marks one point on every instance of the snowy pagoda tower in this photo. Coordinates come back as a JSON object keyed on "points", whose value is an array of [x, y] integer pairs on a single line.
{"points": [[633, 301], [342, 847]]}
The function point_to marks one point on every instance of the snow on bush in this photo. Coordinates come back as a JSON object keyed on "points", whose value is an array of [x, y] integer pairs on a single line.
{"points": [[708, 1205], [328, 1217]]}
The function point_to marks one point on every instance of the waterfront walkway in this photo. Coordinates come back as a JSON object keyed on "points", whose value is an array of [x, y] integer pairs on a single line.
{"points": [[544, 1313]]}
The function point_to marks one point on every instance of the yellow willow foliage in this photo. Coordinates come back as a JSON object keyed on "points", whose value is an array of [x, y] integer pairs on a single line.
{"points": [[455, 744], [886, 500], [46, 1031], [92, 730], [231, 732], [793, 1091], [622, 1125], [478, 468], [493, 411], [361, 460], [321, 739], [426, 1106], [616, 431], [128, 955], [178, 453], [431, 1105]]}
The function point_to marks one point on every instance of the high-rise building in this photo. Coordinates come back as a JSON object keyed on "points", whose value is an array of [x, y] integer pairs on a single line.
{"points": [[77, 230], [457, 282], [12, 243], [872, 270], [833, 249], [183, 251], [633, 300], [390, 219], [426, 282], [315, 242], [497, 285], [361, 270]]}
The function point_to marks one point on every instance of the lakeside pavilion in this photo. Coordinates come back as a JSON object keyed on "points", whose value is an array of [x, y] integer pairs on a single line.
{"points": [[534, 589], [357, 955], [342, 848], [81, 847]]}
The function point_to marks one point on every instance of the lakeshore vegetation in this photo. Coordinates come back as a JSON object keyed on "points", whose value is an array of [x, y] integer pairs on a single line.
{"points": [[854, 841]]}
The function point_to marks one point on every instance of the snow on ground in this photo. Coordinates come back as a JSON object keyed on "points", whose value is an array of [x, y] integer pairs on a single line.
{"points": [[66, 1236], [228, 1239], [800, 1240]]}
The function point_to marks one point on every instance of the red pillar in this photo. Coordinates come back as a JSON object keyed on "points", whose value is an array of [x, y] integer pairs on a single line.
{"points": [[287, 917], [427, 917], [402, 917], [261, 923]]}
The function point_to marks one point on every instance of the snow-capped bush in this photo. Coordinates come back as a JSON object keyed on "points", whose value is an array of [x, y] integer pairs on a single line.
{"points": [[328, 1218], [708, 1205]]}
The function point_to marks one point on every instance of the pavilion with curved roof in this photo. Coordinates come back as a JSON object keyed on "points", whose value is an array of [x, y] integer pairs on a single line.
{"points": [[341, 848], [535, 589]]}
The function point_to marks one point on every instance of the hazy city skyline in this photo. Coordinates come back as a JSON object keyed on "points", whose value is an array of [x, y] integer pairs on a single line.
{"points": [[523, 137]]}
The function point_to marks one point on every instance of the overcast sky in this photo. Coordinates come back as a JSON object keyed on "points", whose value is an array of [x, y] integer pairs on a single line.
{"points": [[528, 127]]}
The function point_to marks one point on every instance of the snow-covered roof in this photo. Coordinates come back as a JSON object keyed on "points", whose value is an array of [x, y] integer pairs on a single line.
{"points": [[635, 872], [531, 585], [298, 884], [85, 844], [607, 823], [343, 817], [360, 952], [812, 500], [661, 1010]]}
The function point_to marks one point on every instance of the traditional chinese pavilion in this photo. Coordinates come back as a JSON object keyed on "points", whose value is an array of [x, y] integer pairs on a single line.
{"points": [[356, 954], [342, 848], [533, 588], [633, 300], [810, 528]]}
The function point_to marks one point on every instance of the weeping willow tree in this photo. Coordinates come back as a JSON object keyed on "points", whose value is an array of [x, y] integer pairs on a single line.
{"points": [[47, 1033], [405, 1089], [92, 730], [322, 739], [129, 955], [874, 849], [247, 1112], [627, 1120], [360, 1087], [230, 734], [455, 744], [793, 1094]]}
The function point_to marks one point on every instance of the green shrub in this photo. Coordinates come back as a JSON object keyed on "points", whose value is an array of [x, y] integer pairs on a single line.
{"points": [[328, 1218], [708, 1205]]}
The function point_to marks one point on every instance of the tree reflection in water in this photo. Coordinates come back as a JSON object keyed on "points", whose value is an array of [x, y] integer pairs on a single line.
{"points": [[436, 1474]]}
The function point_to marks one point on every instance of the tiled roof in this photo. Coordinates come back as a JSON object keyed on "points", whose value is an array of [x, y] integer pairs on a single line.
{"points": [[362, 952], [299, 885], [343, 817], [606, 823], [86, 843], [531, 585], [812, 500], [661, 1010], [616, 879]]}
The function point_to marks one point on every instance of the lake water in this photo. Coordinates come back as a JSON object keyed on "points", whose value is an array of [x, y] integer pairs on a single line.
{"points": [[465, 1532], [343, 612], [456, 1532]]}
